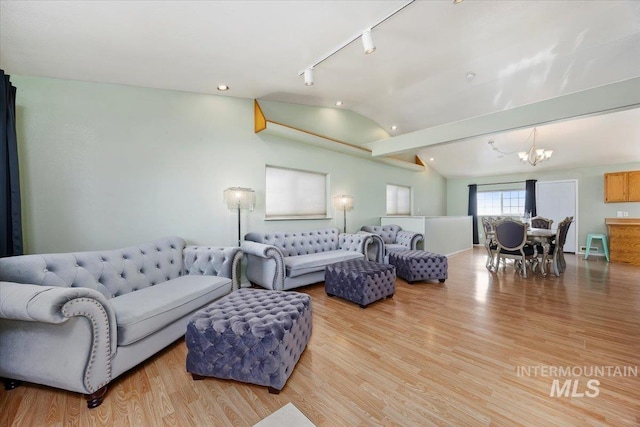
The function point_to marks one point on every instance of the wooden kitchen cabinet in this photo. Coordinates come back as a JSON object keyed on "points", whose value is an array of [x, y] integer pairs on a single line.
{"points": [[633, 183], [622, 187], [624, 239]]}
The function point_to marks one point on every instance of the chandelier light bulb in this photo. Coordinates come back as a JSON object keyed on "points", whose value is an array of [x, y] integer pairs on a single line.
{"points": [[535, 155]]}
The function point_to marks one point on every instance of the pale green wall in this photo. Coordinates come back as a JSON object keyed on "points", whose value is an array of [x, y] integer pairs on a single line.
{"points": [[105, 166], [591, 207]]}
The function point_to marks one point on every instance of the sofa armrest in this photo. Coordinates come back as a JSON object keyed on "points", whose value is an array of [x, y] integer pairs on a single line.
{"points": [[355, 242], [409, 239], [265, 264], [214, 261], [56, 305], [375, 252]]}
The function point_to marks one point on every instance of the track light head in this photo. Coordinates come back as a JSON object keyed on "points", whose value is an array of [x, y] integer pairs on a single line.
{"points": [[308, 77], [367, 41]]}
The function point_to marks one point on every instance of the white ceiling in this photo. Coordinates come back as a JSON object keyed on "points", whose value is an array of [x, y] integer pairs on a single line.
{"points": [[521, 52]]}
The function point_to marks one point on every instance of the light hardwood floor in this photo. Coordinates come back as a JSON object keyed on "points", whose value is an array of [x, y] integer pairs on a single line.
{"points": [[435, 354]]}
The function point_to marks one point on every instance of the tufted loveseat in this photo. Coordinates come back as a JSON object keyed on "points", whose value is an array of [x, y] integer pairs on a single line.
{"points": [[76, 321], [287, 260], [394, 238]]}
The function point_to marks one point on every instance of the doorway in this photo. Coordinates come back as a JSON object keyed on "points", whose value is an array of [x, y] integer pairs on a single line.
{"points": [[557, 200]]}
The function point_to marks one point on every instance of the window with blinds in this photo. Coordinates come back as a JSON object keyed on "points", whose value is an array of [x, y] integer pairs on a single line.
{"points": [[295, 194], [398, 200]]}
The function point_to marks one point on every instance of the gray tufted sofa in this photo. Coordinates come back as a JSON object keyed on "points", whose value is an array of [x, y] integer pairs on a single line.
{"points": [[394, 238], [76, 321], [287, 260]]}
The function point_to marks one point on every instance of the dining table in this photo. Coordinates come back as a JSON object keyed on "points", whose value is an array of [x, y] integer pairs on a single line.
{"points": [[535, 236]]}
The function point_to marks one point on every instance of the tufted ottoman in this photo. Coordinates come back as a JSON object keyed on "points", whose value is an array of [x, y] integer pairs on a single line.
{"points": [[419, 265], [360, 281], [254, 336]]}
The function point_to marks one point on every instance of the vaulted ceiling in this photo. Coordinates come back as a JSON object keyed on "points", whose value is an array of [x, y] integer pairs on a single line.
{"points": [[438, 65]]}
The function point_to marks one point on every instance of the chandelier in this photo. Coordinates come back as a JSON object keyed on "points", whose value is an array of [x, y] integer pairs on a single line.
{"points": [[535, 155]]}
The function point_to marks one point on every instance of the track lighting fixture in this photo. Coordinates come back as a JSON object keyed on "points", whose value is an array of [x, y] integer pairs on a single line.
{"points": [[367, 41], [308, 77], [367, 44]]}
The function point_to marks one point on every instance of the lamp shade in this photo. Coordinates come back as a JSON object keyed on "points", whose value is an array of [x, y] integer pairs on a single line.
{"points": [[343, 202], [240, 198]]}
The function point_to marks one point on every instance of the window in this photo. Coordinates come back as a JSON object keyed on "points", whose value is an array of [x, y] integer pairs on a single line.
{"points": [[510, 202], [398, 200], [292, 193]]}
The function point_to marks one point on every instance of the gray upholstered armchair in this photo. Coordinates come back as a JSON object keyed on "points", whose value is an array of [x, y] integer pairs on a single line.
{"points": [[394, 238], [76, 321]]}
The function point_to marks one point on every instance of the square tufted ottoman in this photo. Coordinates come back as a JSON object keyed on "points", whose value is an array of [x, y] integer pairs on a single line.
{"points": [[419, 265], [254, 336], [360, 281]]}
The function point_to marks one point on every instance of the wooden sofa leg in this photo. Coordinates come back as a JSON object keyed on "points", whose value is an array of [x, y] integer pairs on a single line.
{"points": [[10, 384], [95, 399]]}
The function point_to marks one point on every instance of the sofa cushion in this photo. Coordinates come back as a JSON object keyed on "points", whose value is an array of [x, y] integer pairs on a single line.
{"points": [[299, 243], [387, 232], [395, 247], [112, 272], [148, 310], [310, 263]]}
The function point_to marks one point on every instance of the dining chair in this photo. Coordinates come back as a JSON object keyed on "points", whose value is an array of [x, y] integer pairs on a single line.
{"points": [[511, 240], [489, 240], [541, 222], [556, 249]]}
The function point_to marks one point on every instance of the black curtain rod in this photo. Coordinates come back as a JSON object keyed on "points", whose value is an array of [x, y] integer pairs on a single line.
{"points": [[500, 183]]}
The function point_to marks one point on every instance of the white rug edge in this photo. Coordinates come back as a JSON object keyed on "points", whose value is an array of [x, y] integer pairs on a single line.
{"points": [[287, 416]]}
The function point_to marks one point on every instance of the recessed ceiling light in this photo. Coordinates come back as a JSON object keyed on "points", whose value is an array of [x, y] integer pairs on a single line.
{"points": [[431, 159], [222, 88], [338, 103], [457, 1], [394, 127], [470, 75]]}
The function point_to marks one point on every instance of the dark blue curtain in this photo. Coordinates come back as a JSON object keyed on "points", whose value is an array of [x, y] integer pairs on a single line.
{"points": [[530, 197], [473, 211], [10, 216]]}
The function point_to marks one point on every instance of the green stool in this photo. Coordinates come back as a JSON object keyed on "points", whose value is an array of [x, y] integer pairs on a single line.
{"points": [[596, 236]]}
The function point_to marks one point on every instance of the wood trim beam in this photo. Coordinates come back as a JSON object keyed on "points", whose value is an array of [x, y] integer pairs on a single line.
{"points": [[281, 130], [259, 120]]}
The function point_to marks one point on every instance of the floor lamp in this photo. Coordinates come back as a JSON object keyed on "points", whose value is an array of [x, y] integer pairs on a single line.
{"points": [[343, 203], [240, 198]]}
